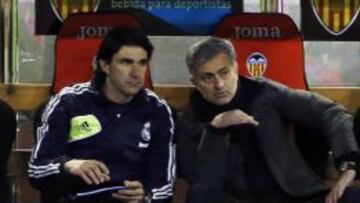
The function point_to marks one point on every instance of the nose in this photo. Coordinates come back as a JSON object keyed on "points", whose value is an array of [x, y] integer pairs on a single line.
{"points": [[219, 82], [137, 70]]}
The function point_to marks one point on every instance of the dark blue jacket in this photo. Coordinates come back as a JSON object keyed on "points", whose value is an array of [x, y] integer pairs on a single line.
{"points": [[135, 141]]}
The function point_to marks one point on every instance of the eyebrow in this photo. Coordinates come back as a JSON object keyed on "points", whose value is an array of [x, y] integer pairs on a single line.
{"points": [[218, 71], [130, 60], [133, 60]]}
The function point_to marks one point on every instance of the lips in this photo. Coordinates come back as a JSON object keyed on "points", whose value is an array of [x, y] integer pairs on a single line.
{"points": [[134, 83], [221, 94]]}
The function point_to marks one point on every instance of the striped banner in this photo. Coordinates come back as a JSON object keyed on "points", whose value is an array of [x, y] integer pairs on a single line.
{"points": [[275, 6], [331, 19], [64, 8], [158, 17], [336, 15]]}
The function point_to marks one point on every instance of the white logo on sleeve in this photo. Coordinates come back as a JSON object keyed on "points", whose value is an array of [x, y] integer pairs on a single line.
{"points": [[145, 135]]}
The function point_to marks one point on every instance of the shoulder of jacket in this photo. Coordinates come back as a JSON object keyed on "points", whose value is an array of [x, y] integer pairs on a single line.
{"points": [[261, 86], [72, 92], [154, 100], [76, 89]]}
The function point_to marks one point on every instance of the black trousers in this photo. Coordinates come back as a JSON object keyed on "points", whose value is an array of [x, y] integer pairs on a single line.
{"points": [[197, 195]]}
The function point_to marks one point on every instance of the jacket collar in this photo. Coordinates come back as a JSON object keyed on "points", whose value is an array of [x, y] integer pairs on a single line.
{"points": [[246, 91], [96, 85]]}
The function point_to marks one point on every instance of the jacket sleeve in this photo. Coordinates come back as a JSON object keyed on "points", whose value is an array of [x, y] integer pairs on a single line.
{"points": [[161, 155], [187, 139], [311, 110], [202, 154], [49, 153]]}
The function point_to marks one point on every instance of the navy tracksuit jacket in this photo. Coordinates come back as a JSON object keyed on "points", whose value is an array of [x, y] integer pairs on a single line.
{"points": [[134, 140]]}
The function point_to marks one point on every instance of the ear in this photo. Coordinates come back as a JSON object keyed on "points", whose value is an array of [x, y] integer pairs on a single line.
{"points": [[105, 66], [193, 81], [191, 78]]}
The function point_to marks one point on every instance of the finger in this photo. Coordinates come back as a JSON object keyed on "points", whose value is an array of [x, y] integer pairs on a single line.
{"points": [[106, 177], [126, 198], [102, 177], [132, 184], [238, 111], [250, 120], [91, 174], [85, 178], [132, 192], [336, 194], [340, 193], [329, 199], [333, 195], [103, 167], [121, 197], [253, 121]]}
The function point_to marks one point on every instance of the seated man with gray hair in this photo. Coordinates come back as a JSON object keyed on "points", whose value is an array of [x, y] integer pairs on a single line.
{"points": [[234, 143]]}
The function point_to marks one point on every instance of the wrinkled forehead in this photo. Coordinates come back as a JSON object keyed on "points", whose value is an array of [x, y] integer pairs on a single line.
{"points": [[215, 64]]}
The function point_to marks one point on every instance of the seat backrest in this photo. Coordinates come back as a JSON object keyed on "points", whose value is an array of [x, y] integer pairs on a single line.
{"points": [[78, 42], [267, 45]]}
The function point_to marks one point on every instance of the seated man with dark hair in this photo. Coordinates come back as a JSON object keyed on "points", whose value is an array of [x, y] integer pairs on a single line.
{"points": [[234, 143], [108, 140]]}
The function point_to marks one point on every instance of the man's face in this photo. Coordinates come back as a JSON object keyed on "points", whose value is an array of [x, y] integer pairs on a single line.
{"points": [[125, 72], [217, 79]]}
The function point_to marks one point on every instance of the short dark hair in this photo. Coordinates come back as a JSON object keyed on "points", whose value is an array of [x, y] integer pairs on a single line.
{"points": [[205, 50], [119, 37], [114, 41]]}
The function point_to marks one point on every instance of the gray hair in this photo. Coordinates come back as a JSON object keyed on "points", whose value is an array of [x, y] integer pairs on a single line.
{"points": [[205, 50]]}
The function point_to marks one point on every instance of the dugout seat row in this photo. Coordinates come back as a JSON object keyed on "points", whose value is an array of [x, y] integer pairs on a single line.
{"points": [[267, 45]]}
